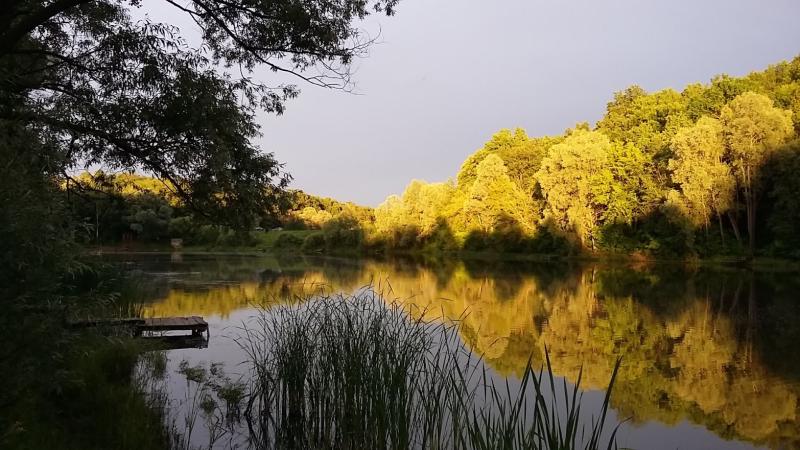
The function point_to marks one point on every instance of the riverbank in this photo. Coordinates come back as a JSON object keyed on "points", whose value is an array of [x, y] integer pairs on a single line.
{"points": [[74, 389], [272, 242]]}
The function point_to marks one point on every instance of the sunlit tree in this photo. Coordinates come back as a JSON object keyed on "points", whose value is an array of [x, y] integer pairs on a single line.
{"points": [[388, 213], [418, 211], [494, 198], [648, 121], [753, 129], [624, 188], [705, 180], [566, 181], [312, 217]]}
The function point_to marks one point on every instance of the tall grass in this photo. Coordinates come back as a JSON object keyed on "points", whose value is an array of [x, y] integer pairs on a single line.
{"points": [[353, 372]]}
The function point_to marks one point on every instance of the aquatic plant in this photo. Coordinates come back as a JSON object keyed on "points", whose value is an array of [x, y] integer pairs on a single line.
{"points": [[354, 372]]}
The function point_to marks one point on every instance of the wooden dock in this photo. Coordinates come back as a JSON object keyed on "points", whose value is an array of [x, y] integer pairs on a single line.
{"points": [[195, 324], [140, 326]]}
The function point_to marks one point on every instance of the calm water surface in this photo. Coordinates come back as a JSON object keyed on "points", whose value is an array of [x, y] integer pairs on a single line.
{"points": [[710, 357]]}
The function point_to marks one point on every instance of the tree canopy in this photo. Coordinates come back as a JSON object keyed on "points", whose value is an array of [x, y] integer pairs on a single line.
{"points": [[567, 177], [649, 177], [699, 168], [101, 88]]}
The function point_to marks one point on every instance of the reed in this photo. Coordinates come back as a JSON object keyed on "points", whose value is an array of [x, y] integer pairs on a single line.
{"points": [[355, 372]]}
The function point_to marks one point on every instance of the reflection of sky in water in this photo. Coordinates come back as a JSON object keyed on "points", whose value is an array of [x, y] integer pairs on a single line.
{"points": [[695, 364]]}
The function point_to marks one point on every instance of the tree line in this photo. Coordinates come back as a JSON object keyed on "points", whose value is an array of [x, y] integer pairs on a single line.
{"points": [[710, 170], [706, 171]]}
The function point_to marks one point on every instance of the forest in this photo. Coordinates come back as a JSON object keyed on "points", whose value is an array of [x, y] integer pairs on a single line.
{"points": [[704, 172], [174, 121]]}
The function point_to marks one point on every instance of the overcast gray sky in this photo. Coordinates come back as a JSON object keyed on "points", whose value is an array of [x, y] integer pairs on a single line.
{"points": [[449, 73]]}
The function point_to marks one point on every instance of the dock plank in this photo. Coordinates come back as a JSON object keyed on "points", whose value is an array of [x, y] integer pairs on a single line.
{"points": [[174, 321], [195, 324]]}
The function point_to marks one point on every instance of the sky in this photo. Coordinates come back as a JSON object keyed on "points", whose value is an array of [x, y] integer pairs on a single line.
{"points": [[447, 74]]}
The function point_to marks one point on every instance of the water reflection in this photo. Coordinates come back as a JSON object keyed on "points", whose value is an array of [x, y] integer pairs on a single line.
{"points": [[716, 348]]}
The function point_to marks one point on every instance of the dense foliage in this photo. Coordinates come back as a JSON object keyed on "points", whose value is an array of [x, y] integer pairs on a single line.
{"points": [[706, 171], [84, 84]]}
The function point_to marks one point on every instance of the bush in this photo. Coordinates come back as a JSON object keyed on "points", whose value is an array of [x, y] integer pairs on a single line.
{"points": [[293, 223], [314, 243], [207, 234], [407, 237], [342, 233], [545, 241], [226, 237], [184, 228], [476, 241], [288, 241]]}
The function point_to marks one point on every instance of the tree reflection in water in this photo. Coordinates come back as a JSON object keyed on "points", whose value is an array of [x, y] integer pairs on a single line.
{"points": [[714, 347]]}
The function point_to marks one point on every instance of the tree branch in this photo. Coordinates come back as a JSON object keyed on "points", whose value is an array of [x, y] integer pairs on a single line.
{"points": [[14, 34]]}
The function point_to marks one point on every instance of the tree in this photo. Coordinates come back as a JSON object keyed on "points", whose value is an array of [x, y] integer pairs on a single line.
{"points": [[149, 217], [387, 213], [468, 171], [523, 161], [706, 181], [313, 218], [784, 220], [624, 188], [33, 248], [420, 209], [781, 82], [708, 100], [648, 121], [566, 182], [514, 148], [753, 130], [521, 155], [494, 198], [102, 88], [430, 205]]}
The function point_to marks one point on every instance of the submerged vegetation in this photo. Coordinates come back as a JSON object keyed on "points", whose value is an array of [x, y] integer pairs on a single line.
{"points": [[347, 372]]}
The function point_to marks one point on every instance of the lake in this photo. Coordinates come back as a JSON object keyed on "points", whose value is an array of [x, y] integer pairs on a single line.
{"points": [[710, 356]]}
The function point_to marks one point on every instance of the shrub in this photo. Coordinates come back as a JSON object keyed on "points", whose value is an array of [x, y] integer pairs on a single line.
{"points": [[342, 233], [207, 234], [545, 241], [476, 241], [184, 228], [287, 241], [314, 243]]}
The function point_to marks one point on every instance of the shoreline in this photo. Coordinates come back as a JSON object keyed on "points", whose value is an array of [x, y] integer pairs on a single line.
{"points": [[767, 264]]}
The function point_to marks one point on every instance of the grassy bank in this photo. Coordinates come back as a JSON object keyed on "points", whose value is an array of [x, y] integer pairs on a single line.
{"points": [[97, 406], [73, 389]]}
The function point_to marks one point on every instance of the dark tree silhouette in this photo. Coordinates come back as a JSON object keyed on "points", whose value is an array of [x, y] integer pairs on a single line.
{"points": [[99, 87]]}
